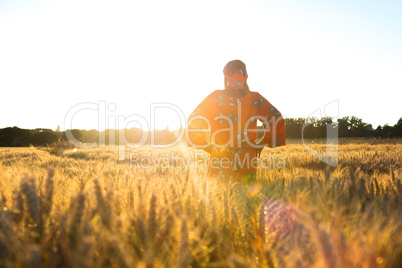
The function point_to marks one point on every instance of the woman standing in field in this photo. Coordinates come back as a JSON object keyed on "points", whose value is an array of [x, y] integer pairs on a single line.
{"points": [[224, 124]]}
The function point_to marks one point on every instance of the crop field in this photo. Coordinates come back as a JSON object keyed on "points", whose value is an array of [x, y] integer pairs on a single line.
{"points": [[159, 208]]}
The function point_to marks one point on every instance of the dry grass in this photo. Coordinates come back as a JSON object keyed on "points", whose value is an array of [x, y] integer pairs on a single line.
{"points": [[92, 210]]}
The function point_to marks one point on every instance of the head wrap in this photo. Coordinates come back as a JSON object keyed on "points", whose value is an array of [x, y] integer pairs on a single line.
{"points": [[235, 74]]}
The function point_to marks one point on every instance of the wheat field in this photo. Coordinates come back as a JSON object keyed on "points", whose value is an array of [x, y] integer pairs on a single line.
{"points": [[89, 208]]}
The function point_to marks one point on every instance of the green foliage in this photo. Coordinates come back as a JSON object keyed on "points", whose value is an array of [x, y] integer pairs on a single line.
{"points": [[347, 127], [296, 128]]}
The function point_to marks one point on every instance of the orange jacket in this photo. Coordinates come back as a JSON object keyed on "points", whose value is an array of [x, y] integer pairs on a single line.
{"points": [[224, 121]]}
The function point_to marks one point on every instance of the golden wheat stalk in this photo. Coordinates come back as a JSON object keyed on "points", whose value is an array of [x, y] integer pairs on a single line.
{"points": [[74, 234], [152, 218], [184, 254], [47, 202], [103, 207], [32, 203]]}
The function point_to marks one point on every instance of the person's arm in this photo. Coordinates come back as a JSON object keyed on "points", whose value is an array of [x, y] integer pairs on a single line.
{"points": [[198, 126], [274, 125]]}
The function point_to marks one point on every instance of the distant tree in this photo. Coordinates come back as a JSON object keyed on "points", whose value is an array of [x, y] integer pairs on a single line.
{"points": [[397, 129], [321, 126], [311, 127], [293, 127], [77, 134], [89, 136], [386, 131], [133, 135], [344, 126], [378, 132], [43, 138], [110, 137], [15, 137]]}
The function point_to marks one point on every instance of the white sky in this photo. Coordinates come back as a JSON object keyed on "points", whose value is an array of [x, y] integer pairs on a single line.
{"points": [[300, 55]]}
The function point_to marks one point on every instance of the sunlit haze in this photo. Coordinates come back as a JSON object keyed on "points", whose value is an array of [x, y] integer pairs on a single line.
{"points": [[123, 56]]}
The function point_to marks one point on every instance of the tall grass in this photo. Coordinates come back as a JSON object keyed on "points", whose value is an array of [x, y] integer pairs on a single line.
{"points": [[87, 209]]}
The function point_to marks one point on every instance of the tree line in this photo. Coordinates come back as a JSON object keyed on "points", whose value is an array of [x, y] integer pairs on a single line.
{"points": [[17, 137], [346, 127], [296, 128]]}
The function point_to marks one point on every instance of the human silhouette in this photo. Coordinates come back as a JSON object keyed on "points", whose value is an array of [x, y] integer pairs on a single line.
{"points": [[224, 124]]}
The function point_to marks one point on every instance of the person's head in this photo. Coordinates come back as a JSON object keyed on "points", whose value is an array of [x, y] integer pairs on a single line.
{"points": [[235, 75]]}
